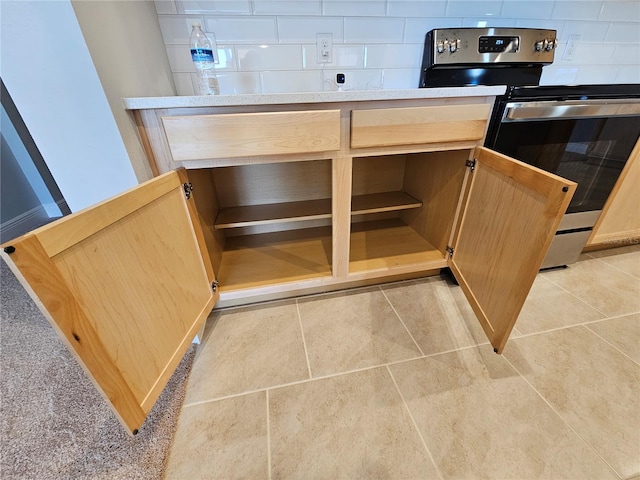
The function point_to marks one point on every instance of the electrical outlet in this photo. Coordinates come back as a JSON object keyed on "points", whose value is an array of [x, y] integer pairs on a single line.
{"points": [[324, 45], [570, 49]]}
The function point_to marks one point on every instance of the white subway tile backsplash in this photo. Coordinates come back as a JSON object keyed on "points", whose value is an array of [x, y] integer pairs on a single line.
{"points": [[243, 29], [587, 54], [626, 55], [239, 83], [400, 78], [594, 74], [489, 22], [628, 74], [345, 56], [471, 8], [259, 58], [623, 32], [588, 31], [576, 10], [287, 7], [177, 28], [556, 75], [417, 28], [180, 58], [373, 30], [393, 56], [354, 79], [556, 25], [360, 8], [416, 8], [292, 81], [270, 45], [623, 11], [236, 7], [167, 7], [527, 9], [304, 30]]}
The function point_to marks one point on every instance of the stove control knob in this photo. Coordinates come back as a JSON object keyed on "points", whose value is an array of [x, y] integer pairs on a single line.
{"points": [[552, 44], [453, 45], [440, 46], [541, 45]]}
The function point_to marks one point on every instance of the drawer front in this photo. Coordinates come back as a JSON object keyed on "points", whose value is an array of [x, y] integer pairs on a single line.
{"points": [[415, 125], [198, 137]]}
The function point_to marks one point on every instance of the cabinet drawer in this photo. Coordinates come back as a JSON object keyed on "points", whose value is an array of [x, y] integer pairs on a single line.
{"points": [[414, 125], [198, 137]]}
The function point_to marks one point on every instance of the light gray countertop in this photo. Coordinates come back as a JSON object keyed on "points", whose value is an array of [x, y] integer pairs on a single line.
{"points": [[142, 103]]}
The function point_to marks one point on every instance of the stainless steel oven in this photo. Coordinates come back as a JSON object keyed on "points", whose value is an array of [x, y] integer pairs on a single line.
{"points": [[584, 133]]}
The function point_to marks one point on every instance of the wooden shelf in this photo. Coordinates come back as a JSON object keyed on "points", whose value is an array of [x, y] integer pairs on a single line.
{"points": [[383, 202], [273, 258], [387, 244], [234, 217]]}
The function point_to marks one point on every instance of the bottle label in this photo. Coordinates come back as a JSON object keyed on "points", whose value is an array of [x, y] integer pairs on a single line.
{"points": [[202, 55]]}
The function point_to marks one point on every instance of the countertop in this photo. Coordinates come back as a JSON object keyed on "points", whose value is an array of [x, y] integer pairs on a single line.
{"points": [[143, 103]]}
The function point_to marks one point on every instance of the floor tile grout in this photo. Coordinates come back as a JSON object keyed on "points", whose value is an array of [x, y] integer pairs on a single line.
{"points": [[304, 342], [610, 344], [332, 375], [544, 399], [577, 298], [415, 424], [401, 321], [268, 437]]}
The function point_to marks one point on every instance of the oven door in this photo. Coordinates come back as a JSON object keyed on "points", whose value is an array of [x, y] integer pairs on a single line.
{"points": [[587, 142]]}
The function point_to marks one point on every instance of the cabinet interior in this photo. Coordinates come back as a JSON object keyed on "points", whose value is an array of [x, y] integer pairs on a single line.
{"points": [[422, 191], [271, 223], [266, 223]]}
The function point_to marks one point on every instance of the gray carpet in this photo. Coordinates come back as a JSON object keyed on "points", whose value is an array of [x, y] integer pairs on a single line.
{"points": [[54, 424]]}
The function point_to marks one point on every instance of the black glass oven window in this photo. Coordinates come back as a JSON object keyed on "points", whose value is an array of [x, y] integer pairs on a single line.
{"points": [[591, 152]]}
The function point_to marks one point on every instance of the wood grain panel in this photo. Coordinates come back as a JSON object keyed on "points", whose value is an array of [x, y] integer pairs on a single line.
{"points": [[512, 213], [128, 297], [195, 137], [389, 244], [416, 125], [275, 258]]}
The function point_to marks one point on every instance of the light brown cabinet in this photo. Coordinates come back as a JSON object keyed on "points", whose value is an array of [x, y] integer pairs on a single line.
{"points": [[283, 200]]}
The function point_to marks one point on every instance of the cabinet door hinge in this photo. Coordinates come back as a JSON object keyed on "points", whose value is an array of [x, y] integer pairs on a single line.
{"points": [[471, 164], [214, 286], [188, 188], [449, 250]]}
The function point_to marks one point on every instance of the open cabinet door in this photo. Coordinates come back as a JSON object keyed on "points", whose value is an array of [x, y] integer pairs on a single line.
{"points": [[511, 214], [127, 284]]}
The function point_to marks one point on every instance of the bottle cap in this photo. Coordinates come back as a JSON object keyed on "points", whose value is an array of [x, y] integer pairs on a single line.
{"points": [[196, 24]]}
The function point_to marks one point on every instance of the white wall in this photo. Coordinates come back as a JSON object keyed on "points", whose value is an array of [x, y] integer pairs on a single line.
{"points": [[125, 43], [54, 84], [269, 46]]}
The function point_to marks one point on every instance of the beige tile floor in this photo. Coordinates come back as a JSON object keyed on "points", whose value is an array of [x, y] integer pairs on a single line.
{"points": [[399, 381]]}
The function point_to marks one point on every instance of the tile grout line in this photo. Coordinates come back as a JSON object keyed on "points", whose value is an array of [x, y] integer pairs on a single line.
{"points": [[268, 437], [331, 375], [415, 425], [544, 399], [304, 341], [610, 344], [579, 299], [614, 267], [401, 321]]}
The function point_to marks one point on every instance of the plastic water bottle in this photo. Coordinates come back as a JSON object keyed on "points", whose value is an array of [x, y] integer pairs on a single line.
{"points": [[204, 61]]}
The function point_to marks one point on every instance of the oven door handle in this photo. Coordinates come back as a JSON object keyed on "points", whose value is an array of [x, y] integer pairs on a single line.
{"points": [[531, 111]]}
